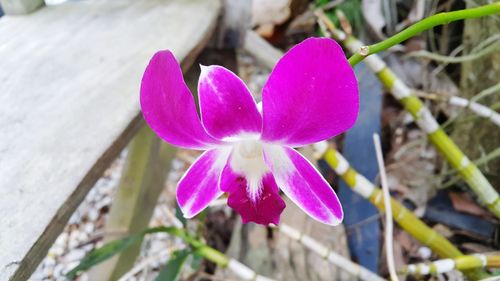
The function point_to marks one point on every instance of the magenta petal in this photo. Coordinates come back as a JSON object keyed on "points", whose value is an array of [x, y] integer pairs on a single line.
{"points": [[268, 207], [199, 186], [304, 185], [168, 105], [227, 107], [311, 95]]}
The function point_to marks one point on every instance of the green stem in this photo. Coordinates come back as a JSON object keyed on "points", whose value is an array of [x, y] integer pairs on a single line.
{"points": [[199, 247], [425, 24]]}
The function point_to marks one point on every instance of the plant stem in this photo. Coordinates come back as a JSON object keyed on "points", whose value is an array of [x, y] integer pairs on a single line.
{"points": [[462, 263], [211, 254], [425, 24]]}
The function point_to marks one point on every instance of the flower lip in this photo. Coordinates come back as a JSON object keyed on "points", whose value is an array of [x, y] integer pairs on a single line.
{"points": [[247, 160]]}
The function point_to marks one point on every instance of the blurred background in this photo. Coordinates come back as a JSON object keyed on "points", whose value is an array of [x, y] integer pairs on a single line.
{"points": [[459, 59]]}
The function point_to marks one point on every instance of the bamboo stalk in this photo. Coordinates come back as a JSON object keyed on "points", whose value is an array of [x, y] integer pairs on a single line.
{"points": [[345, 264], [245, 272], [425, 24], [462, 263], [404, 217], [477, 108], [424, 119]]}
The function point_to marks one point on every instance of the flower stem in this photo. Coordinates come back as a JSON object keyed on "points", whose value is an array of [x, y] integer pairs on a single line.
{"points": [[425, 24]]}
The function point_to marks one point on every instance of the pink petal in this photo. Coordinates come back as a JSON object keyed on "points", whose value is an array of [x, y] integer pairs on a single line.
{"points": [[168, 105], [268, 207], [227, 107], [199, 185], [311, 95], [303, 184]]}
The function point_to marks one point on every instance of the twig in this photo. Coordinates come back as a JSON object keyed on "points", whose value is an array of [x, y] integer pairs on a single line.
{"points": [[486, 92], [453, 59], [388, 209], [475, 107]]}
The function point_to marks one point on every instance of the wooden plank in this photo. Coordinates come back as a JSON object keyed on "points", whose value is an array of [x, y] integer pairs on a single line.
{"points": [[143, 179], [265, 53], [70, 77]]}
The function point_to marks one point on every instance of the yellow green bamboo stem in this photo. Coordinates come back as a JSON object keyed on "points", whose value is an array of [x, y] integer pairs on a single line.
{"points": [[425, 24], [462, 263], [404, 217], [467, 170]]}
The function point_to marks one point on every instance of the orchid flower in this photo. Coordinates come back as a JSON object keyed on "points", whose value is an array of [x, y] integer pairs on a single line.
{"points": [[310, 96]]}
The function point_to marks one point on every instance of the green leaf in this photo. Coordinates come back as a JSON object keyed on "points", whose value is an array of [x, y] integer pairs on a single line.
{"points": [[114, 247], [105, 252], [172, 270]]}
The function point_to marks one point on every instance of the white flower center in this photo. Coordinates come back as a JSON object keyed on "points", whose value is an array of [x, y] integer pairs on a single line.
{"points": [[248, 160]]}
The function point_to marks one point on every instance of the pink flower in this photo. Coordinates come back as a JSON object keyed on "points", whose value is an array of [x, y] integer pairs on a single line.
{"points": [[311, 95]]}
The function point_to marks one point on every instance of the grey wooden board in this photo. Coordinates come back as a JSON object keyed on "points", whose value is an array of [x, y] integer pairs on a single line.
{"points": [[69, 90]]}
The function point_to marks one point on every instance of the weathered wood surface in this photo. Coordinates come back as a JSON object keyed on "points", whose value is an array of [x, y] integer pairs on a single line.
{"points": [[69, 84], [148, 161]]}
